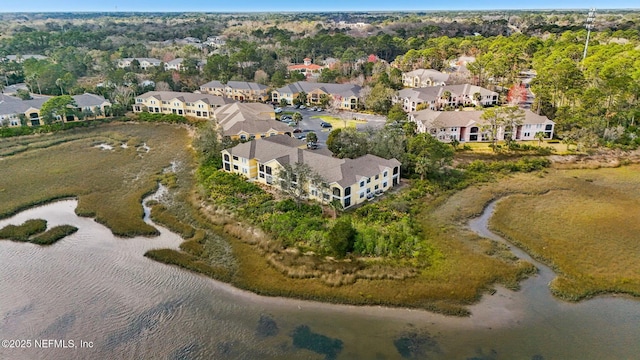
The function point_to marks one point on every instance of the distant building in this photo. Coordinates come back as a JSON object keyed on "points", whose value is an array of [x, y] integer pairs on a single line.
{"points": [[179, 103], [237, 90], [175, 64], [347, 94], [307, 68], [466, 126], [11, 108], [423, 78], [434, 97], [145, 63], [21, 58]]}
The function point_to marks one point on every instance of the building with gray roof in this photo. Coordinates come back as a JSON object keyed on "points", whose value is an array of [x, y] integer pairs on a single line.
{"points": [[350, 181], [468, 126], [348, 95], [245, 121], [434, 97], [179, 103], [11, 109], [236, 90], [423, 78]]}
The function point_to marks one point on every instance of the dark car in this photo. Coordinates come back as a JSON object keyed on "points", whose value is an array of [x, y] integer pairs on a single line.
{"points": [[297, 130], [325, 124]]}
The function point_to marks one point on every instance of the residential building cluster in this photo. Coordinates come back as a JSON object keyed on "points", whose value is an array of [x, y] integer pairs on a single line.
{"points": [[12, 109]]}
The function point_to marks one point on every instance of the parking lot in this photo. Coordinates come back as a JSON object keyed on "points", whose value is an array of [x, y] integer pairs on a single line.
{"points": [[309, 123]]}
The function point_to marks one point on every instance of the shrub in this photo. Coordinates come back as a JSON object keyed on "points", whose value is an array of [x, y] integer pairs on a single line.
{"points": [[54, 234], [25, 231], [341, 237]]}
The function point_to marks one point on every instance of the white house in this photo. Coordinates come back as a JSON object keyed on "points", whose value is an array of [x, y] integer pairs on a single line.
{"points": [[467, 126], [434, 97]]}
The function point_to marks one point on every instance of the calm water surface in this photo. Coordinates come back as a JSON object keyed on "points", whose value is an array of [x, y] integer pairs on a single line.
{"points": [[94, 287]]}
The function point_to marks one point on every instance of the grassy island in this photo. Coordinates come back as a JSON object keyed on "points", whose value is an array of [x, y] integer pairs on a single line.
{"points": [[33, 231]]}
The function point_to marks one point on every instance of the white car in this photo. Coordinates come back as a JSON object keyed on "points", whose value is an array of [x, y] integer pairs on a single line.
{"points": [[278, 110]]}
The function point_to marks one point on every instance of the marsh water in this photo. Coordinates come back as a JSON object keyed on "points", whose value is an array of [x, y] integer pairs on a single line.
{"points": [[101, 290]]}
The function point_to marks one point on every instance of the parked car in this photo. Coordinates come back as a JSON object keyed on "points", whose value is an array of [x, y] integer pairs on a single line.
{"points": [[302, 137], [285, 117], [319, 109], [296, 106], [278, 110], [314, 108], [325, 124], [297, 130], [302, 107], [312, 146]]}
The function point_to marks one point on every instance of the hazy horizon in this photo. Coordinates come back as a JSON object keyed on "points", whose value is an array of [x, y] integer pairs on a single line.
{"points": [[254, 6]]}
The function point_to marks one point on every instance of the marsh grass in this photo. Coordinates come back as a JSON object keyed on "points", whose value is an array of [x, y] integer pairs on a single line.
{"points": [[189, 262], [109, 185], [588, 233], [23, 232], [54, 234], [160, 214]]}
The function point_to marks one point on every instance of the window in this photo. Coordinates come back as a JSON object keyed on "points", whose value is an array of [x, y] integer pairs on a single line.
{"points": [[362, 183], [235, 158], [347, 202], [376, 187], [527, 134], [384, 184], [261, 167], [235, 167], [361, 194], [377, 176], [368, 180], [347, 191], [226, 157], [385, 173]]}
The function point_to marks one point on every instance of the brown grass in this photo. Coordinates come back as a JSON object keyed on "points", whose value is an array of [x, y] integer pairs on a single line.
{"points": [[587, 233], [109, 185]]}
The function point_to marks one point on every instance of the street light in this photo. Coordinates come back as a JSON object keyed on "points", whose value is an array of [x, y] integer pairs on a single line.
{"points": [[589, 25]]}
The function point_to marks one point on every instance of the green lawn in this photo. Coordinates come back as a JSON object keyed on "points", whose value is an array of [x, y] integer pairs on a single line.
{"points": [[338, 123]]}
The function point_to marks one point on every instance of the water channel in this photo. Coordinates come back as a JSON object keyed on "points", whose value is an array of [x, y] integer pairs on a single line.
{"points": [[100, 289]]}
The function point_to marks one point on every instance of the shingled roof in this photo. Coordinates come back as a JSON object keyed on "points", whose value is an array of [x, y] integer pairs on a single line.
{"points": [[286, 150], [186, 97], [251, 118]]}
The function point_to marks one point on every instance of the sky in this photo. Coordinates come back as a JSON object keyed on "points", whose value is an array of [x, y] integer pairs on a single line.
{"points": [[300, 6]]}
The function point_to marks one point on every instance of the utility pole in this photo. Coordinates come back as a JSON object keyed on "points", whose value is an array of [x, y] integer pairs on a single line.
{"points": [[589, 25]]}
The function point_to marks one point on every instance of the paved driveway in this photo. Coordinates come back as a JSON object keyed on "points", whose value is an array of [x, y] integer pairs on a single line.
{"points": [[308, 124]]}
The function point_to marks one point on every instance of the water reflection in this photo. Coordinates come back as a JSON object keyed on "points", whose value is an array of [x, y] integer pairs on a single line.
{"points": [[94, 287]]}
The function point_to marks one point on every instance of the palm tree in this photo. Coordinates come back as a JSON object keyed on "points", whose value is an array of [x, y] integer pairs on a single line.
{"points": [[422, 167], [539, 136], [336, 205], [97, 111], [59, 82]]}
